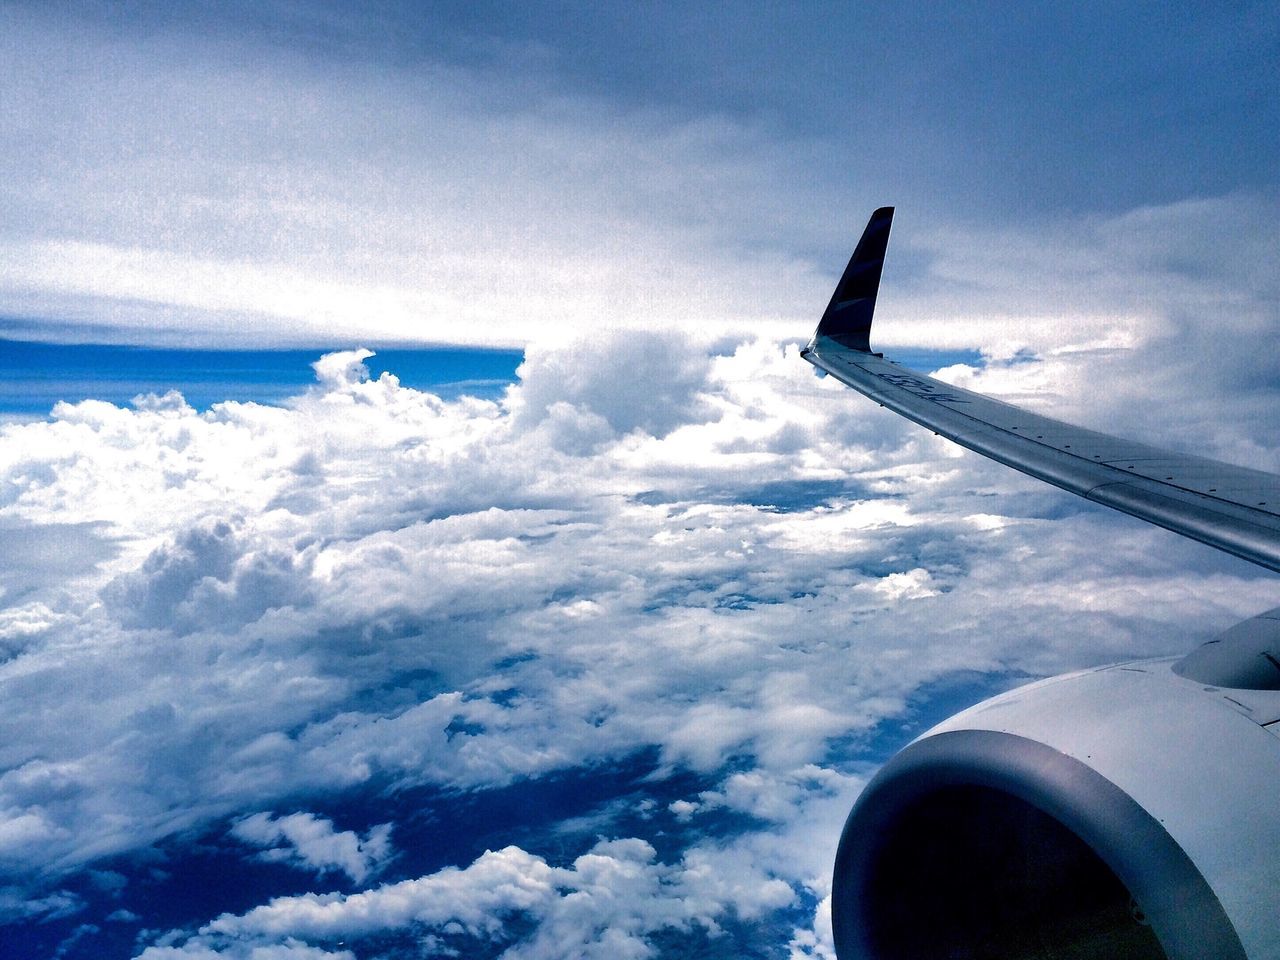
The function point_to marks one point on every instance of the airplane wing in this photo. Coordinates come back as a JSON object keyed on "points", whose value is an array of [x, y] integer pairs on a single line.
{"points": [[1232, 508]]}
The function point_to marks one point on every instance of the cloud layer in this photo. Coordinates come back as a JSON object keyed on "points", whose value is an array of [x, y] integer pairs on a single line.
{"points": [[272, 173], [747, 575]]}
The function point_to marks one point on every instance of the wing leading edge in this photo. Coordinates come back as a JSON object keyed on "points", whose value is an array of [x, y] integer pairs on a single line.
{"points": [[1232, 508]]}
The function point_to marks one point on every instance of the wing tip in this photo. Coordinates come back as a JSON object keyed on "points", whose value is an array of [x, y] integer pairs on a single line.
{"points": [[847, 319]]}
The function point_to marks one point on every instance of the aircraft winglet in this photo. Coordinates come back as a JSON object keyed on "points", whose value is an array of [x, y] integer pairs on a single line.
{"points": [[848, 317], [1232, 508]]}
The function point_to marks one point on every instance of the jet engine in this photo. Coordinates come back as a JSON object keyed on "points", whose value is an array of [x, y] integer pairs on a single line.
{"points": [[1126, 811]]}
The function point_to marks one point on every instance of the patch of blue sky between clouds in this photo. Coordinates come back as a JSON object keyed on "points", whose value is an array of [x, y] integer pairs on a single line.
{"points": [[929, 361], [35, 376]]}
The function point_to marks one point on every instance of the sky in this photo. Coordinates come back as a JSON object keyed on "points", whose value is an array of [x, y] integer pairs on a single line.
{"points": [[580, 638]]}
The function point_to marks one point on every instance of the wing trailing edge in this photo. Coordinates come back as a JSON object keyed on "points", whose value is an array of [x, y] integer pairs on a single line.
{"points": [[1232, 508]]}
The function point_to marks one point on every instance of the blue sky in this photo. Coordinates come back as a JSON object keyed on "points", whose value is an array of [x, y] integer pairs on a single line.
{"points": [[34, 375], [582, 638]]}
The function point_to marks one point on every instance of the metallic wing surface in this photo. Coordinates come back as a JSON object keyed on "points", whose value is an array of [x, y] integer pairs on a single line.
{"points": [[1232, 508]]}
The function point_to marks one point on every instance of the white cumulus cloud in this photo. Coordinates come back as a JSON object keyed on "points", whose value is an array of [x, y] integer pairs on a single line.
{"points": [[312, 842], [372, 589]]}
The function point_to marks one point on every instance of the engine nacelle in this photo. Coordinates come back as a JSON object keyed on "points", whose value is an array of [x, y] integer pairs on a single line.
{"points": [[1128, 811]]}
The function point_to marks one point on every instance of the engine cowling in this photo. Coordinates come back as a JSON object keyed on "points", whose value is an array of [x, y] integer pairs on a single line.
{"points": [[1126, 811]]}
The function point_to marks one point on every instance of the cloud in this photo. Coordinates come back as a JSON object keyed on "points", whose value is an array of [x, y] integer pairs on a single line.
{"points": [[343, 369], [341, 199], [206, 577], [17, 903], [287, 950], [1158, 303], [371, 590], [612, 900], [445, 204], [603, 905], [649, 382], [311, 841]]}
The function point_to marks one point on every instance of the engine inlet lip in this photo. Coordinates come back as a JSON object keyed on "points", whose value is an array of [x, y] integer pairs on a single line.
{"points": [[1182, 908]]}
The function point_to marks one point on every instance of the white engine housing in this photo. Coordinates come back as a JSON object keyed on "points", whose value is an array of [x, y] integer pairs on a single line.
{"points": [[1122, 811]]}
